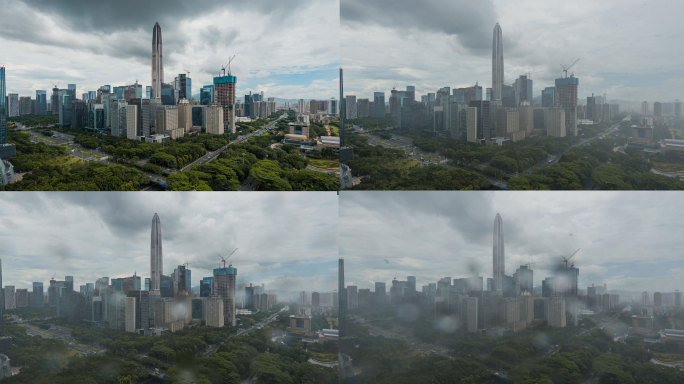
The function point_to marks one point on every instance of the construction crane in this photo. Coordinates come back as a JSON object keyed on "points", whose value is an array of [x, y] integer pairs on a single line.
{"points": [[224, 259], [230, 61], [566, 259], [188, 72], [566, 69]]}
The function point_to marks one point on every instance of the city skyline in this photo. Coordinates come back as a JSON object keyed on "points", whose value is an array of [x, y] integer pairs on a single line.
{"points": [[436, 43], [286, 241], [431, 235], [90, 50]]}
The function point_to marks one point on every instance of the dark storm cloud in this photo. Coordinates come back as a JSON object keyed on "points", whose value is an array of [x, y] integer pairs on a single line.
{"points": [[471, 21], [111, 16]]}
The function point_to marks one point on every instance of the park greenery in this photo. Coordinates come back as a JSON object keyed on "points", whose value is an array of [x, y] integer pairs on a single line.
{"points": [[183, 357], [52, 168], [538, 355], [260, 163], [541, 163], [384, 169], [35, 120]]}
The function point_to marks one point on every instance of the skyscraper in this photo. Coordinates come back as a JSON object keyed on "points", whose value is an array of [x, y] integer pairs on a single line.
{"points": [[41, 102], [6, 150], [342, 300], [157, 63], [497, 63], [498, 254], [156, 254]]}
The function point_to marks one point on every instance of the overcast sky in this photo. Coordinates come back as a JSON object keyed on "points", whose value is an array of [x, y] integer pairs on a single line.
{"points": [[286, 48], [287, 241], [628, 49], [628, 240]]}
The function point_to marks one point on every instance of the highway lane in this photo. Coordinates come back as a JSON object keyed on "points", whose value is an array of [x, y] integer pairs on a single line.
{"points": [[210, 156]]}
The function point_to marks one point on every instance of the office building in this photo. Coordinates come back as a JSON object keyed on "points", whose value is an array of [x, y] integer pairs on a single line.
{"points": [[350, 107], [6, 150], [554, 121], [157, 62], [41, 102], [10, 298], [12, 105], [207, 95], [497, 63], [498, 254], [213, 119], [184, 87], [213, 312], [37, 295], [129, 325], [156, 265]]}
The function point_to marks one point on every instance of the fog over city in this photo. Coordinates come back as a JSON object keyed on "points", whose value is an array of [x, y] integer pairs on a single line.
{"points": [[625, 47], [286, 49], [287, 241], [628, 240]]}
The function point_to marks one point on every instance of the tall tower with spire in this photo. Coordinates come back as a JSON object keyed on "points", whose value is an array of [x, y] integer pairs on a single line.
{"points": [[156, 266], [498, 254], [497, 63], [157, 62]]}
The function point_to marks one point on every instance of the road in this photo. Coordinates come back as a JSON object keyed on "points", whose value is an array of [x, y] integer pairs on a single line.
{"points": [[211, 349], [210, 156], [56, 332]]}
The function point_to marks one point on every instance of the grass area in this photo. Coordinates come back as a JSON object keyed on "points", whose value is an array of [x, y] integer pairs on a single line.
{"points": [[402, 149], [324, 357], [668, 167], [334, 131], [319, 163], [669, 357]]}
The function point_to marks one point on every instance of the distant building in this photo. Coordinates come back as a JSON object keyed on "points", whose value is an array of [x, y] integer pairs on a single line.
{"points": [[555, 312], [214, 120], [214, 312]]}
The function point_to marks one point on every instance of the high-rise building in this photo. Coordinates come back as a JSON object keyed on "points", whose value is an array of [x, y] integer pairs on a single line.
{"points": [[498, 254], [342, 300], [224, 287], [207, 287], [350, 107], [129, 310], [213, 308], [37, 294], [566, 98], [497, 63], [380, 293], [13, 105], [378, 104], [132, 122], [10, 301], [41, 102], [157, 62], [554, 121], [213, 120], [6, 150], [548, 97], [156, 267], [207, 95], [523, 279], [224, 95], [184, 87]]}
